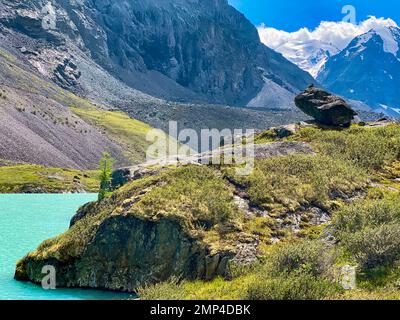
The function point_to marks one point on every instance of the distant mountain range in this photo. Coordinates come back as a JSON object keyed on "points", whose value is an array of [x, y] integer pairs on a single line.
{"points": [[366, 69], [309, 55]]}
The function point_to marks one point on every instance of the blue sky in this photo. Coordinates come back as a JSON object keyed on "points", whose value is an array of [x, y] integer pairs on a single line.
{"points": [[291, 15]]}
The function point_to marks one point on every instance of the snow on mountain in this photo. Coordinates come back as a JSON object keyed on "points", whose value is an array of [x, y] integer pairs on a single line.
{"points": [[390, 41], [310, 55], [310, 49], [368, 69], [273, 95], [389, 36]]}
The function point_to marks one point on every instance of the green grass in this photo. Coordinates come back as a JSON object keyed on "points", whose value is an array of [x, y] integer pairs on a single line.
{"points": [[302, 270], [200, 200], [369, 148], [291, 287], [217, 289], [301, 266], [369, 231], [346, 161], [305, 277], [128, 132], [22, 178], [284, 184], [265, 137], [196, 194]]}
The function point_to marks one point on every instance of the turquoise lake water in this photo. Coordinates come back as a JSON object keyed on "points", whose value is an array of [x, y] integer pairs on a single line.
{"points": [[27, 220]]}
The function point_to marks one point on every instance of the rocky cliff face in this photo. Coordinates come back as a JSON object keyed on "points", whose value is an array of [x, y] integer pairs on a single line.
{"points": [[202, 50], [127, 253]]}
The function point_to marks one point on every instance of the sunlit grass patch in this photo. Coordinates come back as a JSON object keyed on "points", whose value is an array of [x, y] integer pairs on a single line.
{"points": [[369, 148], [128, 132], [22, 178], [286, 183]]}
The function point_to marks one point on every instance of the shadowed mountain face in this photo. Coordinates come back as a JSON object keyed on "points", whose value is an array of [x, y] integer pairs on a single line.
{"points": [[368, 70], [192, 50]]}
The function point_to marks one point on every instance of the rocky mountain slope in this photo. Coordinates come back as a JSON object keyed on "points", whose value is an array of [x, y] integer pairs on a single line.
{"points": [[368, 70], [176, 50], [72, 132], [40, 125]]}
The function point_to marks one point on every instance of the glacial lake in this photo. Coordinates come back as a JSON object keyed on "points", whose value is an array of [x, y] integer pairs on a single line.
{"points": [[27, 220]]}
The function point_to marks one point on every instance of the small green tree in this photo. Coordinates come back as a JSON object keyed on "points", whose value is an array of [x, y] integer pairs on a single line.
{"points": [[105, 166]]}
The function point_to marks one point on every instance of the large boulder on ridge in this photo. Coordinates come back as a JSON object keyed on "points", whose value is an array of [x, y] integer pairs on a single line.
{"points": [[325, 107]]}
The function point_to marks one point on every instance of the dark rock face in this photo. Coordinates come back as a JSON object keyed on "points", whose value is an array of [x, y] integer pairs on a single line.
{"points": [[125, 252], [324, 107], [67, 74], [124, 175], [198, 50]]}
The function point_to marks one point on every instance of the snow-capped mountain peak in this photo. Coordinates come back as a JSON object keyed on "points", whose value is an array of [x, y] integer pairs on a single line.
{"points": [[368, 70], [310, 49], [308, 55], [385, 38], [389, 35]]}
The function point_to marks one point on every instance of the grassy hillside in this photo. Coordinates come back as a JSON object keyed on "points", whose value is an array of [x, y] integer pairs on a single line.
{"points": [[127, 132], [355, 179], [37, 116], [299, 219], [39, 179]]}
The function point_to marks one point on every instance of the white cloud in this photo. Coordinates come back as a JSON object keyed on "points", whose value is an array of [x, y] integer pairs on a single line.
{"points": [[339, 34]]}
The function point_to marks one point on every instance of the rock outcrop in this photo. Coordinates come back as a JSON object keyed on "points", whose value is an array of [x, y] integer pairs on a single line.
{"points": [[122, 176], [128, 252], [67, 74], [325, 107], [124, 242]]}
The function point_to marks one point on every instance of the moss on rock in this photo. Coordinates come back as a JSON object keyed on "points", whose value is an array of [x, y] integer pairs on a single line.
{"points": [[178, 223]]}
